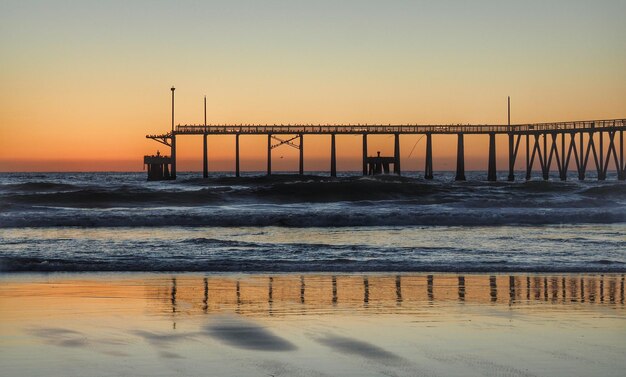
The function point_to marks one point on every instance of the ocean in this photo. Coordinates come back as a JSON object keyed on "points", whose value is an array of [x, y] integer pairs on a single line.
{"points": [[119, 222]]}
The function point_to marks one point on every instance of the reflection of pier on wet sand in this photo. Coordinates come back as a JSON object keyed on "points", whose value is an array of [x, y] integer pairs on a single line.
{"points": [[366, 325], [285, 294]]}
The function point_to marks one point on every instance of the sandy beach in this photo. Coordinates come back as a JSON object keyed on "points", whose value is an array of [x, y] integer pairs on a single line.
{"points": [[312, 325]]}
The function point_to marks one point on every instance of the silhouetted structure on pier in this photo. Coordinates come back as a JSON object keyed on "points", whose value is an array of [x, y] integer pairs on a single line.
{"points": [[158, 167], [379, 165], [558, 142]]}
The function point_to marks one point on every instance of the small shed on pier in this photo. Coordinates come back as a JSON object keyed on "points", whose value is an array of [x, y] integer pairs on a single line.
{"points": [[158, 167]]}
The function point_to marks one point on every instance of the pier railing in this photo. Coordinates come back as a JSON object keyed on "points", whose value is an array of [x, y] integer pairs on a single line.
{"points": [[230, 129]]}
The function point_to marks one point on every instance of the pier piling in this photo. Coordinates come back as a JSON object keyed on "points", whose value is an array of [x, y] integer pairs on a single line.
{"points": [[365, 154], [205, 157], [491, 174], [564, 161], [511, 176], [301, 165], [428, 170], [396, 155], [173, 156], [333, 156], [236, 155], [460, 159], [621, 169], [269, 154]]}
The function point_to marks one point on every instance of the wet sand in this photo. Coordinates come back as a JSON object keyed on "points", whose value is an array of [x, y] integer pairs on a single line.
{"points": [[312, 325]]}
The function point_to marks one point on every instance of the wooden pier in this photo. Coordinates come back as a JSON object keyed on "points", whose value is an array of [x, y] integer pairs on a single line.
{"points": [[563, 144]]}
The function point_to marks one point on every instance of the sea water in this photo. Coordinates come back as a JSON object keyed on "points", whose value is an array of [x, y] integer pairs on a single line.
{"points": [[286, 223]]}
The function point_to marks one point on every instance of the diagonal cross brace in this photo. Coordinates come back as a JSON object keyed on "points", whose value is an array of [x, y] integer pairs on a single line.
{"points": [[288, 142]]}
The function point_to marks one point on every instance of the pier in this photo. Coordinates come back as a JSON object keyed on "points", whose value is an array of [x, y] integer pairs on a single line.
{"points": [[564, 145]]}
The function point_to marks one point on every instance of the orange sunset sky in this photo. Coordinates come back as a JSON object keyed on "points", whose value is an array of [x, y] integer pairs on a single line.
{"points": [[84, 82]]}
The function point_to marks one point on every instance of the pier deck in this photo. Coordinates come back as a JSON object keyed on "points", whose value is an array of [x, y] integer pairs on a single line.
{"points": [[404, 129]]}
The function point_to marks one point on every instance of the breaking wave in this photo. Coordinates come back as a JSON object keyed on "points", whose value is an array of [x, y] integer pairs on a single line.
{"points": [[311, 201]]}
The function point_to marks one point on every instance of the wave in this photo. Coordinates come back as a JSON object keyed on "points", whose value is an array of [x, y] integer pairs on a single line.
{"points": [[109, 198], [290, 189], [344, 216], [309, 201], [253, 265], [37, 187], [611, 190]]}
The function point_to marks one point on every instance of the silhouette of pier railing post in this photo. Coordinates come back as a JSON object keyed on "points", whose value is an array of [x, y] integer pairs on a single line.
{"points": [[586, 141]]}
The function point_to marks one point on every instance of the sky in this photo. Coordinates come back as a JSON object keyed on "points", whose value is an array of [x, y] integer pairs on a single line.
{"points": [[84, 81]]}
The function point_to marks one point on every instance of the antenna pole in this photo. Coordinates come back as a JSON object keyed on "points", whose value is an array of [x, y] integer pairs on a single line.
{"points": [[173, 89], [205, 152], [509, 111], [173, 142]]}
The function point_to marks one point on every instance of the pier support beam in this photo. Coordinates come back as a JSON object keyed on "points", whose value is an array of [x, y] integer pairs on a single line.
{"points": [[528, 167], [491, 174], [564, 160], [173, 155], [611, 149], [512, 156], [364, 154], [545, 163], [301, 154], [460, 159], [530, 156], [269, 154], [237, 155], [621, 170], [428, 170], [333, 157], [396, 155], [583, 161], [205, 157], [601, 171], [591, 147]]}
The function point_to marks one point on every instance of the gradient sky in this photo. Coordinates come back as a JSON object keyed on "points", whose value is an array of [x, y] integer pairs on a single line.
{"points": [[85, 81]]}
